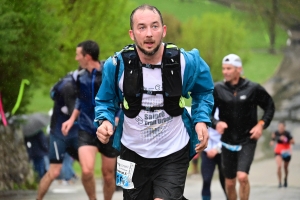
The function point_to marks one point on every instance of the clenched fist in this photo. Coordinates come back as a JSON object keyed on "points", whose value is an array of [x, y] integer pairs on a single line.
{"points": [[105, 131]]}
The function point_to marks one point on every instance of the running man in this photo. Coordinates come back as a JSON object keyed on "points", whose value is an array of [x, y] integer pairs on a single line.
{"points": [[237, 99], [156, 136], [64, 94], [89, 81]]}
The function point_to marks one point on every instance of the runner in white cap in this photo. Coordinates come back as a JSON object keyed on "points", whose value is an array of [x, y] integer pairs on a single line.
{"points": [[237, 99]]}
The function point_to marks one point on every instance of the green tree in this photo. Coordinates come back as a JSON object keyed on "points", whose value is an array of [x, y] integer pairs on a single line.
{"points": [[215, 36], [38, 40], [273, 13], [28, 40], [106, 22]]}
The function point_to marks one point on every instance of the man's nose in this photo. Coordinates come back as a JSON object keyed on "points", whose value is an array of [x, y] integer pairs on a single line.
{"points": [[149, 32]]}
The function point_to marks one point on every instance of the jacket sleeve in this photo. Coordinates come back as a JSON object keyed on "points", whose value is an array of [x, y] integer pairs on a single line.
{"points": [[265, 101], [198, 81], [106, 97]]}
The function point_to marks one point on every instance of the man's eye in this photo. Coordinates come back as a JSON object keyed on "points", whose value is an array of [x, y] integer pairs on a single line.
{"points": [[141, 27], [154, 26]]}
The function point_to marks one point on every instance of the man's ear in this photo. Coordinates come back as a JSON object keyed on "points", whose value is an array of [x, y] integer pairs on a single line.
{"points": [[88, 57], [164, 30], [131, 35], [240, 70]]}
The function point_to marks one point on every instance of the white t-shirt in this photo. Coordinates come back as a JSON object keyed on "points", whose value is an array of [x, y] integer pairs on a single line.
{"points": [[154, 134]]}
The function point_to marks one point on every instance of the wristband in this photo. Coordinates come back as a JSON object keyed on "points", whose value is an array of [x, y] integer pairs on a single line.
{"points": [[261, 122]]}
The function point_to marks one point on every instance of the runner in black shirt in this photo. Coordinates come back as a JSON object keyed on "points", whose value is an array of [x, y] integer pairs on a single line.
{"points": [[237, 99]]}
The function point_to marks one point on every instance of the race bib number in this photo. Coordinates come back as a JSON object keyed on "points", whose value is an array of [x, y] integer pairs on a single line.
{"points": [[124, 173]]}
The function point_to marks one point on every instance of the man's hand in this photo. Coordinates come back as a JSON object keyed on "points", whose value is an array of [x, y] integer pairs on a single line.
{"points": [[221, 126], [283, 138], [201, 130], [212, 153], [66, 126], [105, 131], [256, 131]]}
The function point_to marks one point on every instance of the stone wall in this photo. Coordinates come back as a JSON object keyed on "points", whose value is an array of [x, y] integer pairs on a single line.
{"points": [[15, 170]]}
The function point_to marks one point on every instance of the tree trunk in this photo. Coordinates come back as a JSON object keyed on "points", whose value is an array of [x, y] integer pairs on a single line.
{"points": [[272, 25]]}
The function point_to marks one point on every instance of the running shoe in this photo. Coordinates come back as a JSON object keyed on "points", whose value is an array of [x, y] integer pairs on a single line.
{"points": [[285, 183]]}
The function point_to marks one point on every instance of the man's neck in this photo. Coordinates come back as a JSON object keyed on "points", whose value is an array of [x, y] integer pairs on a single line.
{"points": [[235, 81], [93, 65], [153, 59]]}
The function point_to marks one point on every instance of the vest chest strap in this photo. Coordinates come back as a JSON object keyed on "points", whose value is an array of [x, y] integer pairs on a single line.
{"points": [[151, 108], [149, 66], [152, 92]]}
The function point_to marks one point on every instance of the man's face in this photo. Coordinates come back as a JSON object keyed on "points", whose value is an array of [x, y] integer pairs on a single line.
{"points": [[80, 58], [147, 31], [281, 127], [231, 72]]}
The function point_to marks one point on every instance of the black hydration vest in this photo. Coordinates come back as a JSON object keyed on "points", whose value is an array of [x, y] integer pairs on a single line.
{"points": [[133, 88]]}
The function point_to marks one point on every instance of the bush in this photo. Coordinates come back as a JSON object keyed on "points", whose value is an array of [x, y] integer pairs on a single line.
{"points": [[174, 28], [215, 36]]}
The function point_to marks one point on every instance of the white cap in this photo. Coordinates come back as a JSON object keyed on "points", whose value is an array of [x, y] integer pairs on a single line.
{"points": [[232, 59]]}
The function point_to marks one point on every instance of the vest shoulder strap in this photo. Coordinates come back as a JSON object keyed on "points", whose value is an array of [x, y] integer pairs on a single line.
{"points": [[129, 53]]}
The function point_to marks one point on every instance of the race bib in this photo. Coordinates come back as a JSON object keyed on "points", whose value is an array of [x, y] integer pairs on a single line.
{"points": [[124, 173]]}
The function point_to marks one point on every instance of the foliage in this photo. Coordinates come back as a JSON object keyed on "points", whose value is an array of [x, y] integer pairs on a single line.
{"points": [[288, 10], [106, 22], [174, 28], [39, 37], [272, 13], [214, 39], [28, 40]]}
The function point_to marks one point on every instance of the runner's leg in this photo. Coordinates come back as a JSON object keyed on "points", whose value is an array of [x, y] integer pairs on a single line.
{"points": [[108, 173], [57, 148], [230, 188], [207, 171], [48, 178], [87, 156], [244, 185], [286, 171], [278, 160]]}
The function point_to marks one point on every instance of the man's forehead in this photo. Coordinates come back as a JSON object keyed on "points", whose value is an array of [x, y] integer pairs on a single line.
{"points": [[145, 14], [227, 66]]}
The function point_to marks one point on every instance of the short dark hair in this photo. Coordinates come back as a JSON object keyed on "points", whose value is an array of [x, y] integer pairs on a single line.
{"points": [[90, 47], [145, 7], [281, 122]]}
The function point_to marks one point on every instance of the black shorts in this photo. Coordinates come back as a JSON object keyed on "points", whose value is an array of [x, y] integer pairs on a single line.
{"points": [[284, 158], [234, 161], [59, 146], [157, 177], [84, 138]]}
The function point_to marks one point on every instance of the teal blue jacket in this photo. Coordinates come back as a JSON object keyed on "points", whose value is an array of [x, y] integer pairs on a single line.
{"points": [[197, 83]]}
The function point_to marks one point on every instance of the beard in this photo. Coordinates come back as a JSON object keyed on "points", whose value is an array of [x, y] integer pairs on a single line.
{"points": [[148, 53]]}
